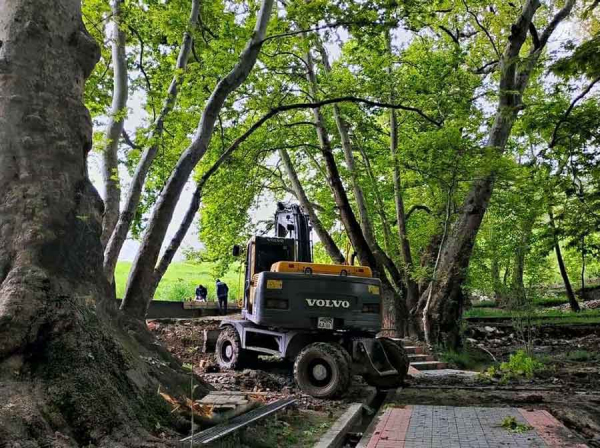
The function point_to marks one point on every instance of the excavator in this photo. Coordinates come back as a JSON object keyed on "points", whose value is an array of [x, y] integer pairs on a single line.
{"points": [[323, 317]]}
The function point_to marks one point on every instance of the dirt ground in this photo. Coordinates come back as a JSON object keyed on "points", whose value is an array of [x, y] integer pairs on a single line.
{"points": [[568, 386], [267, 380]]}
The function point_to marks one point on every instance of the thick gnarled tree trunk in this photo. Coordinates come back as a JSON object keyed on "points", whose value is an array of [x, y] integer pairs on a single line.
{"points": [[70, 375]]}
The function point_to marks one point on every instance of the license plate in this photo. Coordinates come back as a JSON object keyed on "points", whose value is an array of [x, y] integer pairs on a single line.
{"points": [[325, 323]]}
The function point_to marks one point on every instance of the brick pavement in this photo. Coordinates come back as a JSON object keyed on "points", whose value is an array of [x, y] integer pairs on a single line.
{"points": [[466, 427]]}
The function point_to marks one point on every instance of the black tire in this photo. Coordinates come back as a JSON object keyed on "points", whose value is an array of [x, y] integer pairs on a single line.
{"points": [[229, 351], [348, 359], [399, 360], [321, 370]]}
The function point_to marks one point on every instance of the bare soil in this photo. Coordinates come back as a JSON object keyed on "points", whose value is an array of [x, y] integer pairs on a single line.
{"points": [[266, 380]]}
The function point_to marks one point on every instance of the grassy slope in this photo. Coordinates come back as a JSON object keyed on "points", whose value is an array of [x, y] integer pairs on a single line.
{"points": [[181, 279]]}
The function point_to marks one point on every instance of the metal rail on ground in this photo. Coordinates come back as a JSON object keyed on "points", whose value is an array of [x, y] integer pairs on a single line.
{"points": [[237, 423]]}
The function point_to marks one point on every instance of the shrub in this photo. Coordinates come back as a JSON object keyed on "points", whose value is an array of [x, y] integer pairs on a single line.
{"points": [[519, 365]]}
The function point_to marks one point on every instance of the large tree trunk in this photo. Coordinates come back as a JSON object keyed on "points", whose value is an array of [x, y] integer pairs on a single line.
{"points": [[328, 243], [137, 296], [392, 303], [444, 299], [561, 264], [110, 158], [119, 235], [70, 375]]}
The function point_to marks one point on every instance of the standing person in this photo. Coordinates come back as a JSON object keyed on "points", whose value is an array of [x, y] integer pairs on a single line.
{"points": [[201, 293], [222, 291]]}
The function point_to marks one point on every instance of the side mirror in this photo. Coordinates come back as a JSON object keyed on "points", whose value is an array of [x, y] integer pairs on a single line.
{"points": [[236, 251]]}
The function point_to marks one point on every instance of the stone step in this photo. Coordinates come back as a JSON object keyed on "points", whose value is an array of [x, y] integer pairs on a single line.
{"points": [[428, 365], [420, 358], [413, 349]]}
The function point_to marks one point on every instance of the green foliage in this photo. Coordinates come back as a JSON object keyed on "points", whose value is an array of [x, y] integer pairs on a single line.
{"points": [[510, 423], [520, 365], [430, 67], [581, 356], [468, 359]]}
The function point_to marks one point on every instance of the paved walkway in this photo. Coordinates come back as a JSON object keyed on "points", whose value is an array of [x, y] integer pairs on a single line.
{"points": [[467, 427]]}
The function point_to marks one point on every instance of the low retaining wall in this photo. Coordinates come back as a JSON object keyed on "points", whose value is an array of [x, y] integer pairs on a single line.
{"points": [[160, 309]]}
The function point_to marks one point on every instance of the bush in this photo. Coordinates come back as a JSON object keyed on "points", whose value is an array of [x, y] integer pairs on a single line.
{"points": [[519, 365]]}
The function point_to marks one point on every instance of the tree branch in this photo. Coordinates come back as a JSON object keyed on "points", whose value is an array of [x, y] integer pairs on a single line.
{"points": [[143, 70], [449, 33], [585, 91], [414, 208], [484, 29], [128, 140], [534, 36]]}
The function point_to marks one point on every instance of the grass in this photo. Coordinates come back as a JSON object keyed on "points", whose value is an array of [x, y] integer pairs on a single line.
{"points": [[180, 281], [581, 356], [551, 300], [468, 359], [540, 315], [293, 430], [484, 304]]}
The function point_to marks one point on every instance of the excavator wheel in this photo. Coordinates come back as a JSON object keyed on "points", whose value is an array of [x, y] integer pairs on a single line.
{"points": [[321, 369], [399, 360], [229, 351]]}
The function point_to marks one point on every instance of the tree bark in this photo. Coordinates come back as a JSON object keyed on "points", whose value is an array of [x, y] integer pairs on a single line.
{"points": [[445, 300], [561, 264], [119, 235], [391, 302], [361, 204], [518, 292], [71, 376], [136, 300], [328, 243], [116, 122], [412, 289], [390, 250]]}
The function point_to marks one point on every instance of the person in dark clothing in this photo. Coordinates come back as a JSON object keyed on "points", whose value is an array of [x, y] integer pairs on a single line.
{"points": [[222, 292], [201, 293]]}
